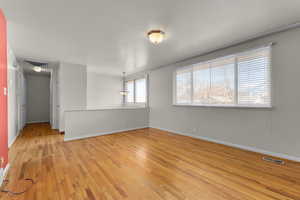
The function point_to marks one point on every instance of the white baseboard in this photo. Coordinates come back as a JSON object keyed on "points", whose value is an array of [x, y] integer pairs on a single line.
{"points": [[35, 122], [13, 141], [253, 149], [3, 175], [99, 134], [54, 127]]}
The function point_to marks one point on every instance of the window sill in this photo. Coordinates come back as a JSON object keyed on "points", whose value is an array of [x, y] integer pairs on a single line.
{"points": [[224, 106], [135, 104]]}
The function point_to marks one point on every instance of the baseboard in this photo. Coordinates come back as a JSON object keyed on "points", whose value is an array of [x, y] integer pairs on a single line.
{"points": [[54, 128], [252, 149], [99, 134], [2, 176], [36, 122], [13, 141]]}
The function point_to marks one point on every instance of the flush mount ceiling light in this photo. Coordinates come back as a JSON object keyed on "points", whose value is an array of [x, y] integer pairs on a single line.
{"points": [[156, 36], [37, 69]]}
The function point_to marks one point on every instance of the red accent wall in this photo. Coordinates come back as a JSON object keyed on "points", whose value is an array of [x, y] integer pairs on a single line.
{"points": [[3, 84]]}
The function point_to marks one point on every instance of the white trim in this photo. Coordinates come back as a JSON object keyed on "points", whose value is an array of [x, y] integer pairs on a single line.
{"points": [[13, 141], [248, 148], [147, 90], [271, 88], [174, 87], [34, 122], [99, 134], [192, 86], [125, 107], [236, 81], [2, 177], [226, 106]]}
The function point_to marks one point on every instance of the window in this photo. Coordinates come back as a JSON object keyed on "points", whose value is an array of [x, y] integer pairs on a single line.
{"points": [[237, 80], [140, 90], [183, 88], [137, 91], [130, 89], [254, 84]]}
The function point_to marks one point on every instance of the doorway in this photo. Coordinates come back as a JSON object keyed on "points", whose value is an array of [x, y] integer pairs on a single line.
{"points": [[37, 98], [41, 88]]}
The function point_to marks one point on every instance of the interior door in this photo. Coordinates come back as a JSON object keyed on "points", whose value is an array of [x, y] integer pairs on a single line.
{"points": [[3, 91]]}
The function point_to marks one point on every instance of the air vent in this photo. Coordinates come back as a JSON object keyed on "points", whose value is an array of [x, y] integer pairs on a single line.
{"points": [[269, 159]]}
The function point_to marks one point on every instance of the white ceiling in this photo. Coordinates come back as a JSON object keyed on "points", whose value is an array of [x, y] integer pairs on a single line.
{"points": [[110, 36]]}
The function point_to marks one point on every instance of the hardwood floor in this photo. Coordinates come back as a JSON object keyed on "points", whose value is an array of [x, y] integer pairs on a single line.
{"points": [[143, 164]]}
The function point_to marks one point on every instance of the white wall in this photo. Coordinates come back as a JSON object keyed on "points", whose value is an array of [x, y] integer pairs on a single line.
{"points": [[37, 98], [103, 90], [21, 96], [16, 98], [54, 100], [12, 97], [89, 123], [275, 130], [72, 89]]}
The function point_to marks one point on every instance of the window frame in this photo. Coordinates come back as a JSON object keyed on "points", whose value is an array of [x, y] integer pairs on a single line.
{"points": [[126, 88], [235, 105], [134, 91]]}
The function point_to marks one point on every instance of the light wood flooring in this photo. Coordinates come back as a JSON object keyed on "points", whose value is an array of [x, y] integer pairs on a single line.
{"points": [[143, 164]]}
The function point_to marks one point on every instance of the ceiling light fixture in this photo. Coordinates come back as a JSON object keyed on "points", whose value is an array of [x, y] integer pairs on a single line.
{"points": [[156, 36], [37, 69]]}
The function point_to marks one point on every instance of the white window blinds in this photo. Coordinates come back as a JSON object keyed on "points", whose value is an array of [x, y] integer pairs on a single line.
{"points": [[222, 81], [183, 86], [254, 78], [201, 83], [237, 80]]}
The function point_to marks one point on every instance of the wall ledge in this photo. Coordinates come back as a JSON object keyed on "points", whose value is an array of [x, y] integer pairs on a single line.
{"points": [[100, 134]]}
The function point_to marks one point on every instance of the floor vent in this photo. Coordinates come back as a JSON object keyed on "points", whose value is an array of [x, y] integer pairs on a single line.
{"points": [[269, 159]]}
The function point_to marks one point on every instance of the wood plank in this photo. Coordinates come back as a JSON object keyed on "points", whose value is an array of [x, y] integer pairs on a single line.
{"points": [[143, 164]]}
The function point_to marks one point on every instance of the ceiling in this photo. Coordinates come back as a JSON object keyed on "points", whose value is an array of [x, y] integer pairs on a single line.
{"points": [[109, 36]]}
